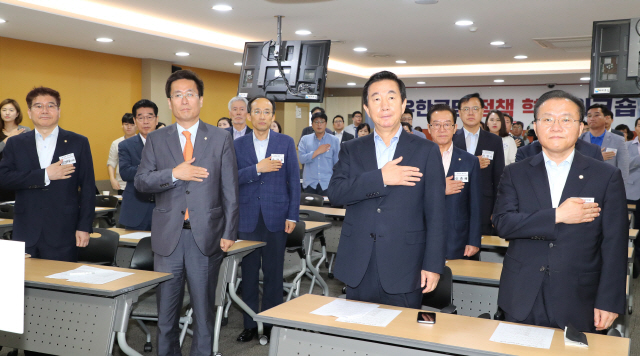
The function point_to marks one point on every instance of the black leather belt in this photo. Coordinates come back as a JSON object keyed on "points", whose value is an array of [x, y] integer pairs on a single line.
{"points": [[186, 225]]}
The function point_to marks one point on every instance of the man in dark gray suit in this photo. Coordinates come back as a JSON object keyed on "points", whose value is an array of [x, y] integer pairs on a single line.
{"points": [[191, 168]]}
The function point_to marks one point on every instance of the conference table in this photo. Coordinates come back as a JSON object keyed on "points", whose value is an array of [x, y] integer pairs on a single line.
{"points": [[69, 318], [6, 223], [298, 332], [332, 235]]}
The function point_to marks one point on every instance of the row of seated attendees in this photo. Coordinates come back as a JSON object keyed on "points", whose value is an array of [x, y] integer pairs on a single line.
{"points": [[411, 203]]}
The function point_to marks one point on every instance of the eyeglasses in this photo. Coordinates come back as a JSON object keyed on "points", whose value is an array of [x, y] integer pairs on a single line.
{"points": [[445, 126], [319, 122], [189, 95], [40, 107], [562, 121], [259, 112], [475, 109], [145, 118], [338, 122]]}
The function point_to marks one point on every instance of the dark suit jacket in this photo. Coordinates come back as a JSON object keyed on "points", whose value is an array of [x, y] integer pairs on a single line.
{"points": [[276, 194], [489, 176], [345, 136], [55, 211], [230, 129], [407, 222], [135, 205], [587, 262], [586, 148], [619, 133], [463, 209], [212, 203]]}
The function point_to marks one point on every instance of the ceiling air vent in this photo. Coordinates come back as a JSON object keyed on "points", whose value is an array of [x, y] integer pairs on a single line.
{"points": [[567, 44]]}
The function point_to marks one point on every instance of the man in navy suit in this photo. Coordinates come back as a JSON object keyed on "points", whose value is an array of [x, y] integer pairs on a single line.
{"points": [[340, 133], [269, 176], [51, 170], [393, 241], [462, 172], [487, 147], [137, 207], [565, 217], [586, 148], [238, 114]]}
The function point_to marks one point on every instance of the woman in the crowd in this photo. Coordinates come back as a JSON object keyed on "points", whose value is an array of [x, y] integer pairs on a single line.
{"points": [[10, 123], [160, 125], [495, 124], [224, 122], [363, 129], [628, 134], [275, 127]]}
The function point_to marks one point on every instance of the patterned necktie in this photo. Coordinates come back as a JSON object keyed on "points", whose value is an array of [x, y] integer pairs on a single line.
{"points": [[188, 154]]}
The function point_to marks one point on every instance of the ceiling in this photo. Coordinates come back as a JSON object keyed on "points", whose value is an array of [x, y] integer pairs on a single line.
{"points": [[436, 50]]}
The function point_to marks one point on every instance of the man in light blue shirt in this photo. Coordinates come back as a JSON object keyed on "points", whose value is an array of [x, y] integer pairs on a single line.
{"points": [[318, 152]]}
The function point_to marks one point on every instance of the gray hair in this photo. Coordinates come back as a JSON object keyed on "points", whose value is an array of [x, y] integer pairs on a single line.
{"points": [[238, 98]]}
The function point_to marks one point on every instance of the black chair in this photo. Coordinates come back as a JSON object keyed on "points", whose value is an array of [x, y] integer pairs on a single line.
{"points": [[107, 201], [295, 266], [142, 257], [6, 211], [102, 249], [441, 298], [311, 199]]}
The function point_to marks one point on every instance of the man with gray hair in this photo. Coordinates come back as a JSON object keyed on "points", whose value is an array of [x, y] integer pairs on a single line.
{"points": [[238, 114]]}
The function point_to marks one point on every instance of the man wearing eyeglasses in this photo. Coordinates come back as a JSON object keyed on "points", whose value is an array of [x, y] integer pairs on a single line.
{"points": [[238, 114], [269, 178], [137, 207], [51, 170], [463, 196], [484, 145], [318, 152], [407, 117], [340, 133], [565, 217]]}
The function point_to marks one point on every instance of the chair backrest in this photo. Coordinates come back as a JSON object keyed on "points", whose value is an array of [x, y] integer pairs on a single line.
{"points": [[6, 211], [310, 215], [442, 296], [100, 249], [106, 201], [311, 199], [143, 255], [296, 237]]}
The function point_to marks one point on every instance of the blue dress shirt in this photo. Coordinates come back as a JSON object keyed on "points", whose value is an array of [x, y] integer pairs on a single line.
{"points": [[471, 140], [557, 175], [319, 169], [260, 147], [385, 154]]}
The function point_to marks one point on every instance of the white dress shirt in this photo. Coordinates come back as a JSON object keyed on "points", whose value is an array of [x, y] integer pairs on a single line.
{"points": [[183, 139], [237, 134], [471, 140], [144, 140], [339, 135], [557, 175], [46, 147], [446, 158]]}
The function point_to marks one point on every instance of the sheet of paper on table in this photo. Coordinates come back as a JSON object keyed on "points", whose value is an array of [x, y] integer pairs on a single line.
{"points": [[90, 275], [12, 296], [343, 308], [528, 336], [376, 317], [136, 235]]}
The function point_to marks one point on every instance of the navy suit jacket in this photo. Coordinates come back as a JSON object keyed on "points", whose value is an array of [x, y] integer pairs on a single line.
{"points": [[586, 262], [463, 209], [276, 194], [135, 205], [55, 211], [489, 176], [345, 136], [408, 223], [586, 148], [249, 130]]}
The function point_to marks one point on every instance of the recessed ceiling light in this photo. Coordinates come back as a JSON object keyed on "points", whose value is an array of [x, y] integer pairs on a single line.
{"points": [[421, 83], [3, 20], [222, 8], [360, 49], [400, 61], [520, 57], [498, 80], [464, 23], [237, 63], [497, 43], [303, 32], [104, 39], [585, 78], [352, 83], [182, 54]]}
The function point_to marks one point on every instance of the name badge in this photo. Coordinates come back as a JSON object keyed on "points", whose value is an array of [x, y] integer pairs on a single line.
{"points": [[68, 159], [614, 150], [588, 200], [487, 154], [277, 157], [461, 176]]}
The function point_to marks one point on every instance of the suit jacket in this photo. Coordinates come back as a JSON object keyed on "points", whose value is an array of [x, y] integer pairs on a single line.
{"points": [[212, 203], [55, 211], [463, 209], [135, 204], [345, 136], [586, 262], [585, 147], [408, 223], [249, 130], [621, 159], [632, 185], [276, 194], [619, 133], [490, 176]]}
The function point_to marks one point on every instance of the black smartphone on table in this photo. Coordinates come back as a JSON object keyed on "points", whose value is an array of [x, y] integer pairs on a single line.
{"points": [[426, 317]]}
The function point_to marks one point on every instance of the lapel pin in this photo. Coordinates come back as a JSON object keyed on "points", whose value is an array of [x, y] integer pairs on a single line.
{"points": [[205, 138], [581, 176], [65, 141], [459, 159]]}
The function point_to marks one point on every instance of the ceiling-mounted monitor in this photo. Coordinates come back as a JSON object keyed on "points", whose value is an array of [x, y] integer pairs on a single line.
{"points": [[297, 73]]}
